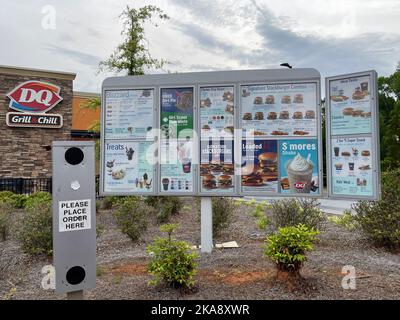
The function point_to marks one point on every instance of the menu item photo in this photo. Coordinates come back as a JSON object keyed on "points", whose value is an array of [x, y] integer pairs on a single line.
{"points": [[299, 166], [279, 109]]}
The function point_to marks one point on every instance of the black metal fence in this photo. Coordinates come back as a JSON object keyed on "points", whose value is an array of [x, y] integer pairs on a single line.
{"points": [[31, 185]]}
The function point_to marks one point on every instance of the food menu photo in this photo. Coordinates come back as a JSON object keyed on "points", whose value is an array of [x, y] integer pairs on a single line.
{"points": [[129, 114], [217, 111], [217, 170], [352, 166], [299, 166], [259, 171], [279, 109], [129, 167], [350, 101]]}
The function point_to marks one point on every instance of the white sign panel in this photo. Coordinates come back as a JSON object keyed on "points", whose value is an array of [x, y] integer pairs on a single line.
{"points": [[74, 215]]}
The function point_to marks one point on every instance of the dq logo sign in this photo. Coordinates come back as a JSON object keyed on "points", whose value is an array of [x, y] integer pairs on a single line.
{"points": [[34, 96], [299, 185]]}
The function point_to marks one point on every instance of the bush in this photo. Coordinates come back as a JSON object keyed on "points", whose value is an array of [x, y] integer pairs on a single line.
{"points": [[165, 206], [15, 200], [223, 210], [109, 202], [347, 220], [172, 261], [288, 246], [379, 220], [131, 215], [36, 231], [292, 212], [5, 211], [259, 212]]}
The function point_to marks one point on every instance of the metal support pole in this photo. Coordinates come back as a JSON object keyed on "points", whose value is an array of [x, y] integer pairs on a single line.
{"points": [[75, 295], [206, 225]]}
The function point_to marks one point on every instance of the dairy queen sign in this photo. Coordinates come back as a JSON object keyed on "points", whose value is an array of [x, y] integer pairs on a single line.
{"points": [[32, 99]]}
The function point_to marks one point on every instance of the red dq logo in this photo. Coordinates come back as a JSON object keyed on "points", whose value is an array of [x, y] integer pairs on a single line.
{"points": [[299, 185], [34, 96]]}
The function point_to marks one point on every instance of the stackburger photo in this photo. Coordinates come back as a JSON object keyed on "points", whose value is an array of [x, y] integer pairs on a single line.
{"points": [[228, 169], [209, 182], [225, 181], [251, 178], [268, 166]]}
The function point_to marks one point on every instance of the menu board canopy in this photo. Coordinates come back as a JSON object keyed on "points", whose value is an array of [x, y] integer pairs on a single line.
{"points": [[198, 128], [352, 130]]}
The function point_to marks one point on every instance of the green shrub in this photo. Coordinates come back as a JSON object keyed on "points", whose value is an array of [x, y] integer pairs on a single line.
{"points": [[16, 200], [165, 206], [292, 212], [5, 211], [36, 230], [379, 220], [259, 212], [172, 261], [223, 210], [109, 202], [288, 246], [346, 220], [131, 215]]}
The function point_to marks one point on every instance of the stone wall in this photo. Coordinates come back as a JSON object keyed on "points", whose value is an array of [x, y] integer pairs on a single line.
{"points": [[23, 151]]}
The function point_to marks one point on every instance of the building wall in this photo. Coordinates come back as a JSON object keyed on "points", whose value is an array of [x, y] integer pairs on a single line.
{"points": [[23, 151], [83, 118]]}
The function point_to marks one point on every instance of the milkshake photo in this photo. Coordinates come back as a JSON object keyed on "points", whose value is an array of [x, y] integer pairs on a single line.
{"points": [[300, 172]]}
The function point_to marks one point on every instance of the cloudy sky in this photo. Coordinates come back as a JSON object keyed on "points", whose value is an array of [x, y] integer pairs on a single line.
{"points": [[333, 36]]}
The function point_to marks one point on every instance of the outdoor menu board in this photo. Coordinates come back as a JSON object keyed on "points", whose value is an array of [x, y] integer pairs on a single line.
{"points": [[217, 122], [279, 109], [176, 144], [129, 166], [350, 102], [353, 136], [129, 113]]}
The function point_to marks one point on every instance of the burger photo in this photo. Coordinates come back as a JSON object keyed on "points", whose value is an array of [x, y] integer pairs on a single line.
{"points": [[228, 169], [268, 166], [216, 167], [209, 182], [204, 169], [225, 181], [251, 178]]}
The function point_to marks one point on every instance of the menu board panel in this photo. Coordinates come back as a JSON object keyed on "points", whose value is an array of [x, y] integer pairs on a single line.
{"points": [[279, 109], [352, 166], [217, 170], [350, 105], [299, 166], [217, 111], [259, 170], [176, 119], [129, 114], [176, 166], [129, 166]]}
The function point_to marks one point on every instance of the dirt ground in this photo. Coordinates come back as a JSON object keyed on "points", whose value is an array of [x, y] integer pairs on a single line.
{"points": [[239, 273]]}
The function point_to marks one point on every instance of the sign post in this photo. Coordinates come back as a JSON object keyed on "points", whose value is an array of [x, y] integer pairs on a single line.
{"points": [[74, 217], [206, 225]]}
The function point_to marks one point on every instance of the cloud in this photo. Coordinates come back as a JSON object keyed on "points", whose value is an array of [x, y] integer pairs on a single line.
{"points": [[78, 56]]}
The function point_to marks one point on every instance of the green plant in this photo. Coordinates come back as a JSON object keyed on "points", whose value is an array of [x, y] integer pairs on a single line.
{"points": [[131, 215], [262, 223], [259, 212], [5, 211], [223, 210], [291, 212], [172, 261], [288, 246], [99, 271], [109, 202], [36, 231], [16, 200], [346, 220], [379, 220], [165, 206], [99, 229]]}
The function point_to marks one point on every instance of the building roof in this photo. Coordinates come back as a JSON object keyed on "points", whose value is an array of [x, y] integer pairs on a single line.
{"points": [[37, 72]]}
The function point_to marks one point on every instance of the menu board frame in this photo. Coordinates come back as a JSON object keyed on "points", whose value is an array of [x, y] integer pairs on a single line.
{"points": [[317, 137], [374, 135], [197, 80]]}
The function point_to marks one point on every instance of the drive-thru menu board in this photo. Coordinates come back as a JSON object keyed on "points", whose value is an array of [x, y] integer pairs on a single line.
{"points": [[353, 136], [232, 133]]}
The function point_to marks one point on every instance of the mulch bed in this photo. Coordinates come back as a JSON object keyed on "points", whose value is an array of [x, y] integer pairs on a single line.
{"points": [[239, 273]]}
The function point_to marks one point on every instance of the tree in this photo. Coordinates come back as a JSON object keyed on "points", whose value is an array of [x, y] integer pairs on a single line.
{"points": [[133, 55]]}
